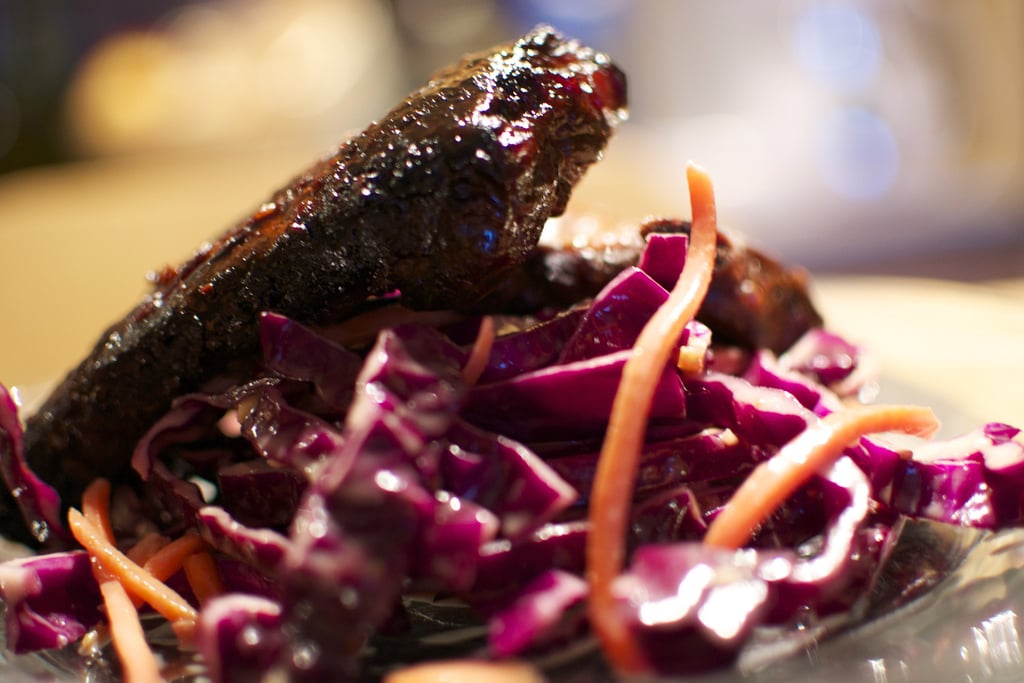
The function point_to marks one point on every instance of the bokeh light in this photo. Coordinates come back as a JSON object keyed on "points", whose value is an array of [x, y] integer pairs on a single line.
{"points": [[857, 154], [839, 44]]}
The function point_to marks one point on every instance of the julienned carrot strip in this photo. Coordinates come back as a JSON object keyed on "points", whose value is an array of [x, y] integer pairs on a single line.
{"points": [[137, 580], [160, 557], [167, 559], [146, 547], [617, 465], [480, 352], [96, 509], [138, 663], [185, 631], [818, 446], [166, 562], [467, 671], [96, 506], [203, 577]]}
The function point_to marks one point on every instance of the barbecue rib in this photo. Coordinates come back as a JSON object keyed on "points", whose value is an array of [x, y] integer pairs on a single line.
{"points": [[438, 200]]}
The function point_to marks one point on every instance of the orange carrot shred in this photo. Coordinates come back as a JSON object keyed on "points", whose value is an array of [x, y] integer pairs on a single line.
{"points": [[146, 547], [166, 562], [185, 631], [466, 671], [137, 580], [203, 576], [96, 506], [617, 465], [817, 447], [480, 352], [138, 663]]}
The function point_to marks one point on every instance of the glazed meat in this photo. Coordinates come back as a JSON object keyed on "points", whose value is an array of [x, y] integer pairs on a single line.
{"points": [[438, 201], [753, 302]]}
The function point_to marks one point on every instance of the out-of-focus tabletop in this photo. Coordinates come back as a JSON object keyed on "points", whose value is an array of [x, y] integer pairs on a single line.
{"points": [[956, 345]]}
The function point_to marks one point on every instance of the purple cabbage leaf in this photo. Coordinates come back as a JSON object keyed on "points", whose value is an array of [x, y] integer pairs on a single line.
{"points": [[51, 600], [973, 480], [38, 501]]}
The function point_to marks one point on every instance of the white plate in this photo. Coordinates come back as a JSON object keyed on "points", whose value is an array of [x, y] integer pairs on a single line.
{"points": [[960, 345]]}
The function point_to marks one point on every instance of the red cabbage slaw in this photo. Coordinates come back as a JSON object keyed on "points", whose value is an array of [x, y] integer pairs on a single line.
{"points": [[344, 483]]}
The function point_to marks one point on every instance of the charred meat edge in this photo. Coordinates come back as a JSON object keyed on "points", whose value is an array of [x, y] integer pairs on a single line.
{"points": [[439, 200]]}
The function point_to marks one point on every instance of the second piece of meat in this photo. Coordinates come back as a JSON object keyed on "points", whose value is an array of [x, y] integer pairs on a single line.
{"points": [[753, 301]]}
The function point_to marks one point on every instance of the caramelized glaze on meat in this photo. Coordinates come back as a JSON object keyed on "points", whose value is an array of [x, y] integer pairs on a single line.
{"points": [[438, 200]]}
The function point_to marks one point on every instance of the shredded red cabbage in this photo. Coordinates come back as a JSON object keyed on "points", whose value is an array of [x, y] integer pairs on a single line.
{"points": [[341, 482]]}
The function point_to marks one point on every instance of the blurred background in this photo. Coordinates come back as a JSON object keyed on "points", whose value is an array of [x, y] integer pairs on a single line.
{"points": [[842, 133]]}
